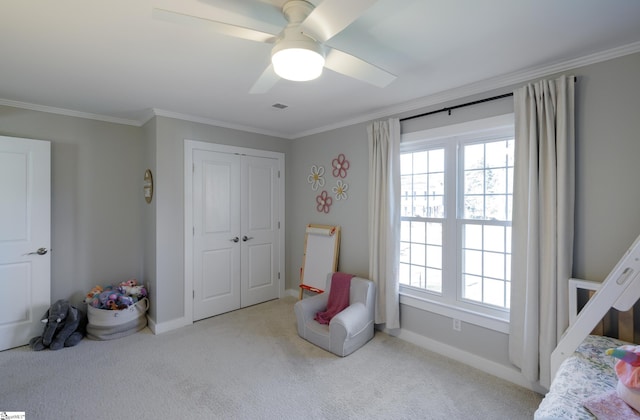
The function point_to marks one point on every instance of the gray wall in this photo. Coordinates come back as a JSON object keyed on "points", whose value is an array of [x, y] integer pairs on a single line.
{"points": [[96, 190], [148, 215], [350, 214], [168, 285], [608, 151], [103, 231], [607, 196]]}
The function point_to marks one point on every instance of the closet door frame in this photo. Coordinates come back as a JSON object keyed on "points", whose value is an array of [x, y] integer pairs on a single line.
{"points": [[189, 147]]}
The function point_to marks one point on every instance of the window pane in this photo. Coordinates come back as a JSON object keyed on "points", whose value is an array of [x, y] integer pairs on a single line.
{"points": [[434, 280], [510, 152], [405, 274], [473, 236], [494, 292], [474, 156], [436, 160], [418, 278], [405, 232], [405, 252], [474, 182], [436, 183], [496, 181], [421, 162], [494, 238], [418, 232], [406, 164], [406, 191], [434, 233], [420, 185], [496, 207], [496, 154], [472, 262], [472, 288], [473, 207], [418, 254], [494, 265], [436, 206], [434, 256]]}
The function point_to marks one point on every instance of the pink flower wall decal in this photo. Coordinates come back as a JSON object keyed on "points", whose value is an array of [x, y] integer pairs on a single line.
{"points": [[340, 166], [323, 202]]}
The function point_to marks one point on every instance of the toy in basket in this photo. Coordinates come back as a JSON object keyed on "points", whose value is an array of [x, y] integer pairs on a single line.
{"points": [[116, 311]]}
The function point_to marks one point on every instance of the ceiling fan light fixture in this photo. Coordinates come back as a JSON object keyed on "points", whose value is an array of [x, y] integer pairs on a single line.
{"points": [[299, 60]]}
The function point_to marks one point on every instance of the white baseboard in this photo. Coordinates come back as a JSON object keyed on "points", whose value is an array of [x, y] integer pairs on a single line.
{"points": [[166, 326], [511, 374]]}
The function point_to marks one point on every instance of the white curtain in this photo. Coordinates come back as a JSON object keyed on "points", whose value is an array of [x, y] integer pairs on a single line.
{"points": [[384, 218], [543, 212]]}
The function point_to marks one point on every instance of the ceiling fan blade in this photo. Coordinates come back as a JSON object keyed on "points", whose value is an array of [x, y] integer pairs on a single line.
{"points": [[332, 16], [220, 27], [267, 79], [351, 66]]}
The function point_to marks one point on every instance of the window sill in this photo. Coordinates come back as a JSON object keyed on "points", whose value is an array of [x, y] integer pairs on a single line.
{"points": [[454, 312]]}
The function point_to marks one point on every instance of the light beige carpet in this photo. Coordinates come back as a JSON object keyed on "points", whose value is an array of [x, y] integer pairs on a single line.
{"points": [[250, 364]]}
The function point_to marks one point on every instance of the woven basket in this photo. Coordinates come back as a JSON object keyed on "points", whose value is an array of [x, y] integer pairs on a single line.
{"points": [[106, 324]]}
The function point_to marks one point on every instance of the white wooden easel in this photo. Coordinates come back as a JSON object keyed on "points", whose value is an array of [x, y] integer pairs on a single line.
{"points": [[321, 250]]}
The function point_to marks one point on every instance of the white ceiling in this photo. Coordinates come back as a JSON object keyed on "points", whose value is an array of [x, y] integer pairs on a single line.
{"points": [[112, 60]]}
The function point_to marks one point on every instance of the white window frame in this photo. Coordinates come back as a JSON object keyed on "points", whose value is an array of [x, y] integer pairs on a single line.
{"points": [[449, 302]]}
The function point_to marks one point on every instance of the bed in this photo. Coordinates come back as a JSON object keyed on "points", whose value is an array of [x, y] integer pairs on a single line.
{"points": [[587, 373], [580, 369]]}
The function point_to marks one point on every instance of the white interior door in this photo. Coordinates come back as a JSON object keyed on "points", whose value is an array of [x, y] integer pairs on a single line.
{"points": [[216, 233], [25, 238], [236, 230], [259, 215]]}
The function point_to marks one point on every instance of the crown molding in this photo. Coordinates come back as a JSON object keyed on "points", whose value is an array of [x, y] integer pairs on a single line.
{"points": [[191, 118], [482, 86], [69, 112]]}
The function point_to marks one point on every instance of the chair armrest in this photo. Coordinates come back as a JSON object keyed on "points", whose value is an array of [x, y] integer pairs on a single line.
{"points": [[306, 309], [350, 321]]}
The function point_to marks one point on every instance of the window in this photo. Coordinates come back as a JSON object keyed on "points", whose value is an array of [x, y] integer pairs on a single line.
{"points": [[456, 203]]}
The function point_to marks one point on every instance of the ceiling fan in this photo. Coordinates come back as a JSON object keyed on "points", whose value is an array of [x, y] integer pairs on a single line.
{"points": [[299, 52]]}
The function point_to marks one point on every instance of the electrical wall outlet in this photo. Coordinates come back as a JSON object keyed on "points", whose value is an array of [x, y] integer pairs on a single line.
{"points": [[457, 325]]}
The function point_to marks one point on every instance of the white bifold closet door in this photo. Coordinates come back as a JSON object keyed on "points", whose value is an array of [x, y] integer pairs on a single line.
{"points": [[235, 231]]}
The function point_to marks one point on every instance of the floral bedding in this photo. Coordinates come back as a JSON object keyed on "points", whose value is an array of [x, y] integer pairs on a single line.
{"points": [[589, 372]]}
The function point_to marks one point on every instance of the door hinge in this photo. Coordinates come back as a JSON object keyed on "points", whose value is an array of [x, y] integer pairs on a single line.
{"points": [[278, 174], [278, 225], [193, 168], [193, 231], [194, 294], [278, 275]]}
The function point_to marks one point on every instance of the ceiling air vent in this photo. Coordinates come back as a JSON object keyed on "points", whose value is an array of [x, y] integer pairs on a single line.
{"points": [[280, 106]]}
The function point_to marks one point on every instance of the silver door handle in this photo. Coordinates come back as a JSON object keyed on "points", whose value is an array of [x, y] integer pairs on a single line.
{"points": [[236, 239], [40, 251], [246, 238]]}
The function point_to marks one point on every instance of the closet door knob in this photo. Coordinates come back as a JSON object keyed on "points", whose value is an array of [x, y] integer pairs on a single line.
{"points": [[245, 238], [236, 239]]}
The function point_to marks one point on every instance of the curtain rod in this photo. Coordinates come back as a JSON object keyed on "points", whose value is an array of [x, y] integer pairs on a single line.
{"points": [[451, 108]]}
